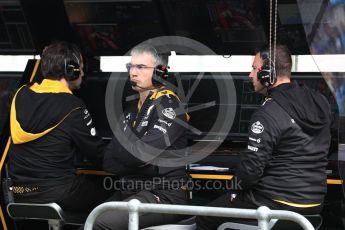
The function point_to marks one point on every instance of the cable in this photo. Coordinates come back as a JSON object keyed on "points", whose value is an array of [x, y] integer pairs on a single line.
{"points": [[134, 84], [273, 61]]}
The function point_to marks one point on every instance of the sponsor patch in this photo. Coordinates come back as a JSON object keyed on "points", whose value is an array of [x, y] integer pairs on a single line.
{"points": [[160, 128], [252, 148], [87, 114], [169, 113], [254, 139], [164, 122], [89, 123], [93, 131], [257, 127]]}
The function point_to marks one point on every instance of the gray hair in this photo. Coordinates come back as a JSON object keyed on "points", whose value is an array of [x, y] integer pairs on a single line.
{"points": [[148, 49]]}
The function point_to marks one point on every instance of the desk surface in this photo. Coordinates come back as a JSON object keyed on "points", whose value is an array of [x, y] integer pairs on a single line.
{"points": [[195, 174]]}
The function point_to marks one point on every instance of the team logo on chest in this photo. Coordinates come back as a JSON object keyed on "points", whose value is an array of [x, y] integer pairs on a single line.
{"points": [[169, 113], [257, 127]]}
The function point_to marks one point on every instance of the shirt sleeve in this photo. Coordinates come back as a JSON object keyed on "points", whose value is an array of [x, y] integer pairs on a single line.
{"points": [[84, 135], [262, 137], [167, 125]]}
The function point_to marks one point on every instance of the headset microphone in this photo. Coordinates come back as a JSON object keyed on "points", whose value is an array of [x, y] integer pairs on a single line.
{"points": [[134, 84]]}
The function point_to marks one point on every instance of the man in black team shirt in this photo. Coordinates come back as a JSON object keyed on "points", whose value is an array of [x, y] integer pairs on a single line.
{"points": [[155, 121], [284, 166], [48, 125]]}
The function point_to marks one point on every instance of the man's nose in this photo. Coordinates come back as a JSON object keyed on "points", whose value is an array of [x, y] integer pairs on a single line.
{"points": [[82, 73], [251, 74], [133, 70]]}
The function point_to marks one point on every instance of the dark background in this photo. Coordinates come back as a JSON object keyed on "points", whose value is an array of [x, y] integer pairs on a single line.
{"points": [[113, 27]]}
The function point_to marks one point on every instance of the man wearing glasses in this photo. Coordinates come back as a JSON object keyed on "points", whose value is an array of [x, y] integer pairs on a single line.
{"points": [[151, 166]]}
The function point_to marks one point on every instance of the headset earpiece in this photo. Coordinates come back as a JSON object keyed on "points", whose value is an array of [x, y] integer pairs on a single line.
{"points": [[160, 74], [266, 74], [72, 69]]}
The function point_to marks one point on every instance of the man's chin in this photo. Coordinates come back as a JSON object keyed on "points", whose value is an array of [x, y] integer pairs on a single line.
{"points": [[136, 88], [74, 86], [261, 90]]}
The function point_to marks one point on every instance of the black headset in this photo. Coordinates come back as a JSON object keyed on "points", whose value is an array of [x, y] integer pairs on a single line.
{"points": [[160, 75], [72, 68], [267, 73]]}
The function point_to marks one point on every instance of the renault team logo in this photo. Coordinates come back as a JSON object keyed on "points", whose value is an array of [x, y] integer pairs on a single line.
{"points": [[257, 127], [169, 113]]}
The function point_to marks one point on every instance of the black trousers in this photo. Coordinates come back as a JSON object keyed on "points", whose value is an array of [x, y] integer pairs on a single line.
{"points": [[78, 195], [118, 220], [247, 201]]}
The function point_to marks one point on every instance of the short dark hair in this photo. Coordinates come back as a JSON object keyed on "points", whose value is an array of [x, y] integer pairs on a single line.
{"points": [[54, 59], [283, 63]]}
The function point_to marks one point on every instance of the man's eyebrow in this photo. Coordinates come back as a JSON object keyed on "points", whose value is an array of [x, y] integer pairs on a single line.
{"points": [[141, 65]]}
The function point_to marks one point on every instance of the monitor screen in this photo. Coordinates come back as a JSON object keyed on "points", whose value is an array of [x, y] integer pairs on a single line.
{"points": [[208, 91], [114, 27]]}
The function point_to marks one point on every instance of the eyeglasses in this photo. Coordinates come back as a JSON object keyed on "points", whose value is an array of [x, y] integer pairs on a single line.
{"points": [[139, 67]]}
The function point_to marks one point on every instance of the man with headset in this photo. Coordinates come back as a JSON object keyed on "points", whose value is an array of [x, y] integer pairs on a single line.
{"points": [[154, 138], [284, 166], [48, 125]]}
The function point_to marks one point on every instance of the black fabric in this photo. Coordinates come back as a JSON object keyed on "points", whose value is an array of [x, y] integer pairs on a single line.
{"points": [[246, 201], [80, 195], [308, 108], [37, 112], [282, 160], [155, 133], [48, 162], [50, 159], [162, 184], [115, 219]]}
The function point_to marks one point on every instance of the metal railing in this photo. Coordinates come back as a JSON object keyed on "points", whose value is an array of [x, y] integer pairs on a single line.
{"points": [[263, 214]]}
